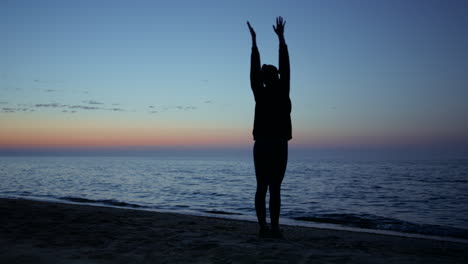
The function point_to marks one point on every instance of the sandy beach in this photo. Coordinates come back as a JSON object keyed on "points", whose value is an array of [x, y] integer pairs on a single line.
{"points": [[45, 232]]}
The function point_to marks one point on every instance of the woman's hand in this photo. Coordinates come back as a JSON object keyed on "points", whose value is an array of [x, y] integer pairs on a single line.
{"points": [[279, 29], [252, 32]]}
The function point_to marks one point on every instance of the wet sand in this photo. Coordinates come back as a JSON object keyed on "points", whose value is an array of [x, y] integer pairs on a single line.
{"points": [[45, 232]]}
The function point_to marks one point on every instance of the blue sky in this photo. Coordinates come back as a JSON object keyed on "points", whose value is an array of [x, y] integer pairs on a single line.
{"points": [[363, 73]]}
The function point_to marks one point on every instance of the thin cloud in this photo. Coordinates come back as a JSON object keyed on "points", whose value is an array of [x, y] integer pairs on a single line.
{"points": [[11, 88], [74, 108], [48, 81], [92, 102], [185, 108], [52, 105], [179, 108], [15, 109], [8, 110], [84, 107], [116, 109]]}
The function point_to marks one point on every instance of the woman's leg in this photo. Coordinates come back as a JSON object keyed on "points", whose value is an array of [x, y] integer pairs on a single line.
{"points": [[280, 160], [261, 172]]}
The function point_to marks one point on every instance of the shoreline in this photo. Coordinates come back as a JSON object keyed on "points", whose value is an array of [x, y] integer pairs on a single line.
{"points": [[240, 217], [49, 232]]}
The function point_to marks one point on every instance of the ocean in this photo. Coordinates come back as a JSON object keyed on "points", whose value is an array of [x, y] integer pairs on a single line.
{"points": [[416, 196]]}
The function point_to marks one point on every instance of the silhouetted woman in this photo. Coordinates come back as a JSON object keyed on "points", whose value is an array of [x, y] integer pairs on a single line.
{"points": [[272, 128]]}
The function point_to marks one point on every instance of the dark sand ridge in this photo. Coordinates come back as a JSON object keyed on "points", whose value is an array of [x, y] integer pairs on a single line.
{"points": [[45, 232]]}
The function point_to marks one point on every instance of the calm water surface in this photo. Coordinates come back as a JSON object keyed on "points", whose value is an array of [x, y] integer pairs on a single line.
{"points": [[427, 196]]}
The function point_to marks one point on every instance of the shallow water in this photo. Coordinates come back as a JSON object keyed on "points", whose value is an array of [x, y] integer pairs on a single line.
{"points": [[416, 196]]}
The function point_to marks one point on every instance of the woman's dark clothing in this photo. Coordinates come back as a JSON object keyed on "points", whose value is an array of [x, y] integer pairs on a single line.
{"points": [[273, 106], [270, 158], [271, 132]]}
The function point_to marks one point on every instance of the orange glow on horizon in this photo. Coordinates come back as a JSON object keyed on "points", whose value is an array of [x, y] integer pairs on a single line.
{"points": [[93, 132], [106, 138], [120, 133]]}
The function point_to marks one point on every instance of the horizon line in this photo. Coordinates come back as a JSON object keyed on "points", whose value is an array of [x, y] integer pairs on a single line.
{"points": [[459, 151]]}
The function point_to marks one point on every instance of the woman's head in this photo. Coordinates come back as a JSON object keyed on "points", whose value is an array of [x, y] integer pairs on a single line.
{"points": [[270, 74]]}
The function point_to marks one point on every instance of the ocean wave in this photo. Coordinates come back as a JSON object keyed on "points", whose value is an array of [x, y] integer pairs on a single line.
{"points": [[220, 212], [103, 201], [383, 223]]}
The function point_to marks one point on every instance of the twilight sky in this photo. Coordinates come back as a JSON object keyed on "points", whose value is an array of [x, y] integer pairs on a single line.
{"points": [[364, 74]]}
